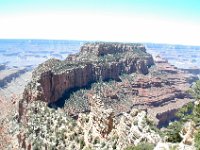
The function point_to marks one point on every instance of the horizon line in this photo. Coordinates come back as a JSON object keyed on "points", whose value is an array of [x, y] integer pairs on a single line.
{"points": [[81, 40]]}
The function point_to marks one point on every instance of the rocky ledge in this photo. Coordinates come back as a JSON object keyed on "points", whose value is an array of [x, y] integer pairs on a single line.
{"points": [[53, 78]]}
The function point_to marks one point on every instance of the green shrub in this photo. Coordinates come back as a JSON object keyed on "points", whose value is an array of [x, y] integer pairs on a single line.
{"points": [[96, 141], [172, 132], [82, 144], [114, 145], [195, 91], [174, 147], [103, 144], [197, 140], [141, 146], [183, 113]]}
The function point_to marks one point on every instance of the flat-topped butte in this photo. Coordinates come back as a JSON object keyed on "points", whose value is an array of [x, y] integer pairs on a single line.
{"points": [[106, 60], [95, 53]]}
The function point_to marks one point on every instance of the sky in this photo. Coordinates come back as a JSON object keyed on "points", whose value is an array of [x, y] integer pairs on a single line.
{"points": [[157, 21]]}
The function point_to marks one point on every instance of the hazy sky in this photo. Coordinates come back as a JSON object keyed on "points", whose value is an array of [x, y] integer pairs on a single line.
{"points": [[163, 21]]}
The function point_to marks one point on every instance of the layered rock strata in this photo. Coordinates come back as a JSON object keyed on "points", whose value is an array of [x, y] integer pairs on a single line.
{"points": [[94, 61], [162, 92]]}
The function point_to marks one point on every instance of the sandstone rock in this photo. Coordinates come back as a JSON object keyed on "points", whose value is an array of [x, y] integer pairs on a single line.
{"points": [[129, 129], [188, 132], [134, 129]]}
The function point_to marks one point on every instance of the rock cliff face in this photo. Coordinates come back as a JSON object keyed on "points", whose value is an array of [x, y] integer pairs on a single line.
{"points": [[106, 60]]}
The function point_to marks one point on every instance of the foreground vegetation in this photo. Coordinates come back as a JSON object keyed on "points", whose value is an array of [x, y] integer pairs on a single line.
{"points": [[189, 114], [49, 128]]}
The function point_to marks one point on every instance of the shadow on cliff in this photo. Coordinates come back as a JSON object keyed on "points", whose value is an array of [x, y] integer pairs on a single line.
{"points": [[61, 101]]}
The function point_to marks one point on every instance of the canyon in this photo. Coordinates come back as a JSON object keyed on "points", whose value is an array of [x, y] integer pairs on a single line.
{"points": [[130, 76], [107, 96]]}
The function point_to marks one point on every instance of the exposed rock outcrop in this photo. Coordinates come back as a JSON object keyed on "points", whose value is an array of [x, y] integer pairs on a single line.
{"points": [[108, 60], [188, 132]]}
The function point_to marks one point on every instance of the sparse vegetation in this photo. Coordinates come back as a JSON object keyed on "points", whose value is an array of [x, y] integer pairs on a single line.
{"points": [[197, 140], [141, 146], [8, 123], [48, 126], [189, 112], [173, 132], [195, 90], [185, 111]]}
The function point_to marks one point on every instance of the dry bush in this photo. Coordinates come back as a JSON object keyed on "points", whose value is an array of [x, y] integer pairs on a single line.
{"points": [[8, 111]]}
